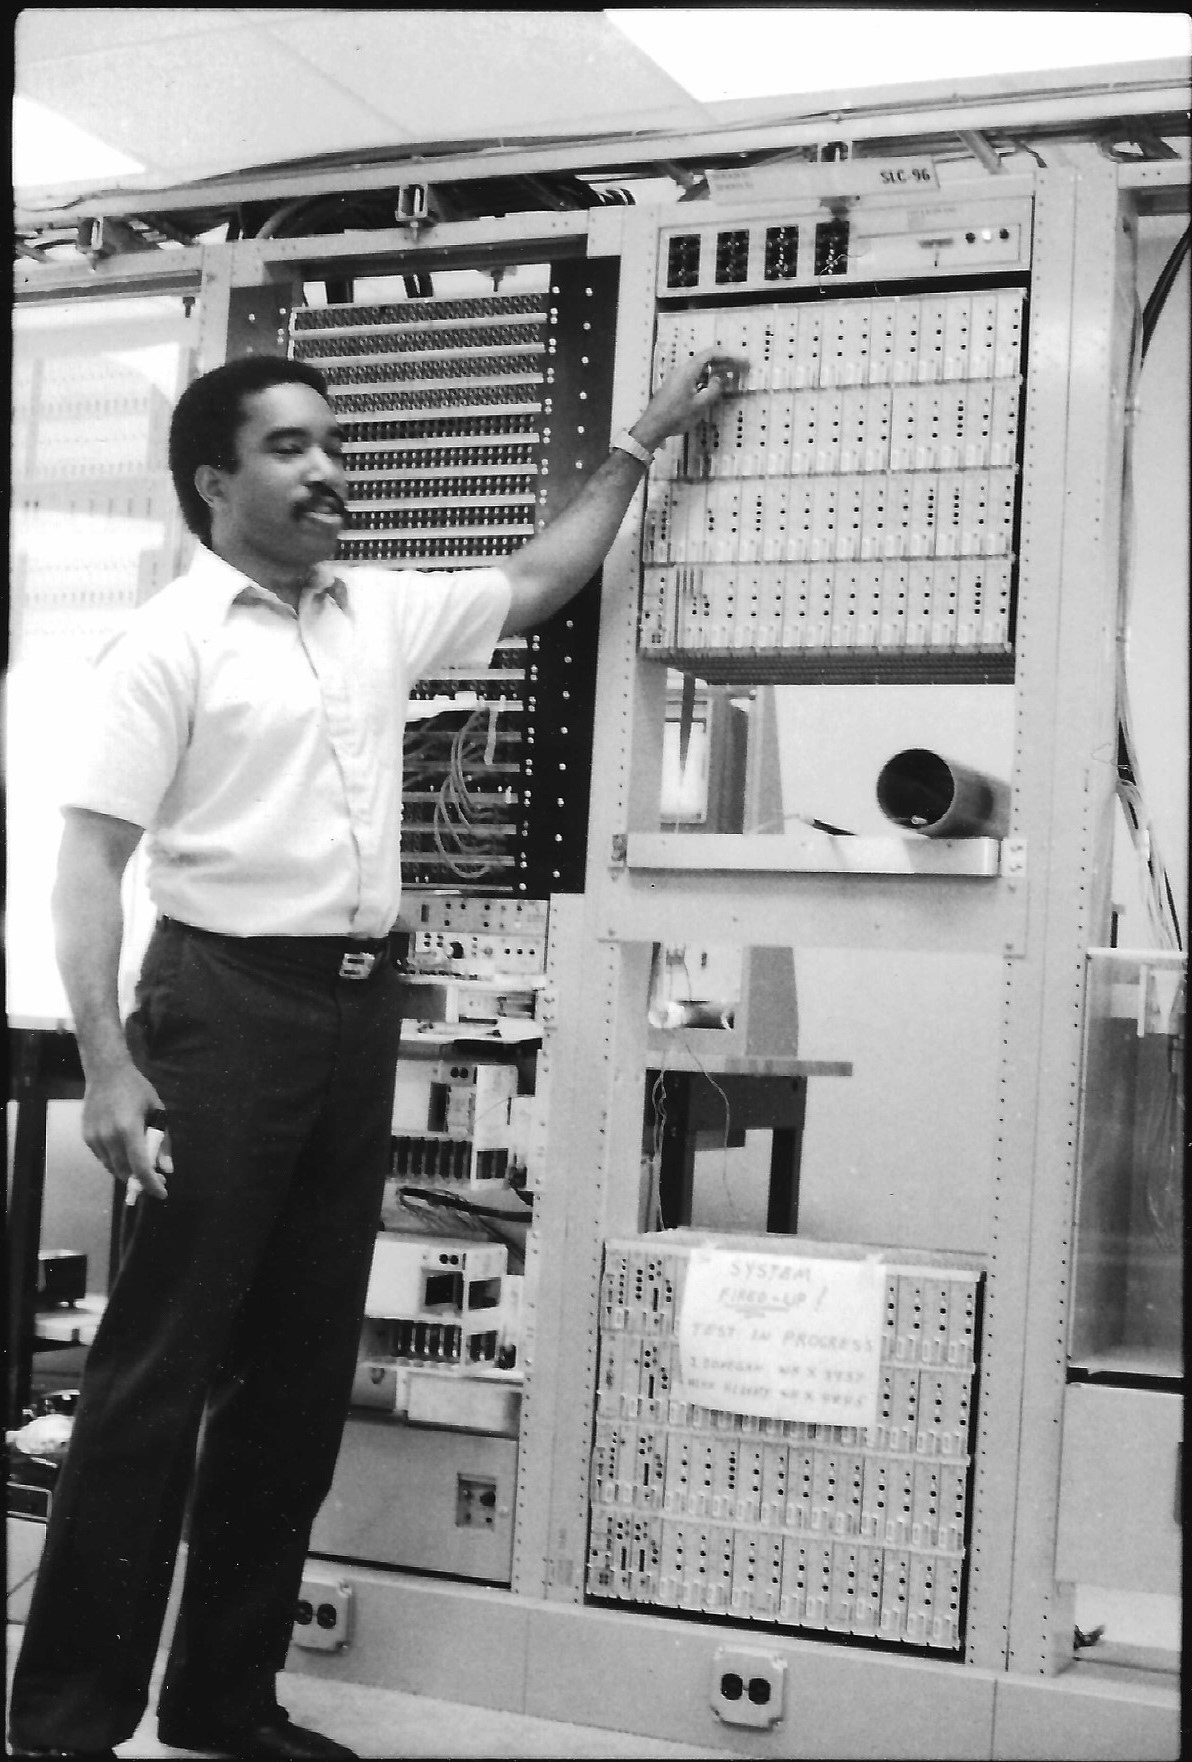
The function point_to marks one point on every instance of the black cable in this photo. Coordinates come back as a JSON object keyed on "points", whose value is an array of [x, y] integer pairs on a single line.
{"points": [[1161, 289], [433, 1197], [1125, 764], [486, 1218], [1162, 899], [1023, 148], [1175, 916], [22, 1582]]}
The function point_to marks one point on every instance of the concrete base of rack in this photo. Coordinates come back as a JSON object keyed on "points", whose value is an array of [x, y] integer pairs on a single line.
{"points": [[653, 1675]]}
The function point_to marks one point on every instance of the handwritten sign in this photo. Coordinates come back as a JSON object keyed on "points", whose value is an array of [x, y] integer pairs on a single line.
{"points": [[782, 1337]]}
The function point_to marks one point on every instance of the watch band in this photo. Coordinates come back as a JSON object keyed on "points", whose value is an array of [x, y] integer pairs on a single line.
{"points": [[627, 443]]}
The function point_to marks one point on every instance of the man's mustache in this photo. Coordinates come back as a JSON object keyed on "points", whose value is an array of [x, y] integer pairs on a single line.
{"points": [[324, 499]]}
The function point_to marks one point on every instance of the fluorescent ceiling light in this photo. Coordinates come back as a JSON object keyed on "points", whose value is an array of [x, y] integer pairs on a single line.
{"points": [[774, 51], [47, 149]]}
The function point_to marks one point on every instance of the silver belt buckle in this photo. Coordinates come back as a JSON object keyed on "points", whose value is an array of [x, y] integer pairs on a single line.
{"points": [[357, 965]]}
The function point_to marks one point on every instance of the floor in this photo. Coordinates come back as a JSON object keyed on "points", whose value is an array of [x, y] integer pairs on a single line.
{"points": [[384, 1723]]}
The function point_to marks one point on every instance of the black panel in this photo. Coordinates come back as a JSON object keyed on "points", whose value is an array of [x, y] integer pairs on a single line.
{"points": [[259, 320], [563, 651], [470, 423]]}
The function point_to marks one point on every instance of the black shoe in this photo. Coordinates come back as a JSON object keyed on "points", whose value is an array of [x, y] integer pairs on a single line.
{"points": [[273, 1736]]}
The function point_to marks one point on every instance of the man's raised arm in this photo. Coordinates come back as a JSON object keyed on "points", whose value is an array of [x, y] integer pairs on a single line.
{"points": [[552, 567]]}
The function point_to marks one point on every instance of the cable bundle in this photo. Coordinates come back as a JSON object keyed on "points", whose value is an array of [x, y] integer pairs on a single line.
{"points": [[464, 816], [1157, 890]]}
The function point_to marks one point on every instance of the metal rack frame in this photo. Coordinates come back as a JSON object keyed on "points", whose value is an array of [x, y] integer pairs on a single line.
{"points": [[532, 1648]]}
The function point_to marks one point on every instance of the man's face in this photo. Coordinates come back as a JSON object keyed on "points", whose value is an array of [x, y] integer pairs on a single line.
{"points": [[284, 502]]}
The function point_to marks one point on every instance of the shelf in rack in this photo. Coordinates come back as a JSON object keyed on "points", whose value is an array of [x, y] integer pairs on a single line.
{"points": [[1129, 1361], [812, 853], [691, 1051], [839, 666], [70, 1325], [432, 1035]]}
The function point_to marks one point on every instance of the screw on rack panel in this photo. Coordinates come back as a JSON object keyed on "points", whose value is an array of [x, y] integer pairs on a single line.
{"points": [[1014, 858]]}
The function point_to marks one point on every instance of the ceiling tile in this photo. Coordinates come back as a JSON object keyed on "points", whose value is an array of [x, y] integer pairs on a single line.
{"points": [[459, 75], [188, 107], [50, 33], [193, 93]]}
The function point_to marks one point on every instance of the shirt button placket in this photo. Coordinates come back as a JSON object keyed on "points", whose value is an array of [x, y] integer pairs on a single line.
{"points": [[324, 634]]}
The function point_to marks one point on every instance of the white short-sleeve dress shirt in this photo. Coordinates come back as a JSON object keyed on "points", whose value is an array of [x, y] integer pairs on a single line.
{"points": [[261, 747]]}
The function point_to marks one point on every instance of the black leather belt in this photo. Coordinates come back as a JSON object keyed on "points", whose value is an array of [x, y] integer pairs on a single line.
{"points": [[347, 957]]}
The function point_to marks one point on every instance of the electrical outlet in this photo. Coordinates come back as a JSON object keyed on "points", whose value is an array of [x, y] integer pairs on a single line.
{"points": [[323, 1618], [475, 1501], [748, 1686]]}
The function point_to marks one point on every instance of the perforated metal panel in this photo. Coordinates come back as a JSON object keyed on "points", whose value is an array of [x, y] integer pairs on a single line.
{"points": [[850, 1529], [849, 512]]}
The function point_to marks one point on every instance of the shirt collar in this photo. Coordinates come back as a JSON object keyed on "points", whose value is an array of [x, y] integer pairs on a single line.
{"points": [[221, 586]]}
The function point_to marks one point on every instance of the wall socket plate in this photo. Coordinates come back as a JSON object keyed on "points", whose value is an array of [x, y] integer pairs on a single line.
{"points": [[323, 1618], [748, 1686]]}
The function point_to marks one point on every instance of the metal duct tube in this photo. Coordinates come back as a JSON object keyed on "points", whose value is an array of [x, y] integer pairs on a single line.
{"points": [[941, 799]]}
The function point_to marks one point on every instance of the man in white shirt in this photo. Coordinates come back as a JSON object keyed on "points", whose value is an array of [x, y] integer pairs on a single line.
{"points": [[249, 726]]}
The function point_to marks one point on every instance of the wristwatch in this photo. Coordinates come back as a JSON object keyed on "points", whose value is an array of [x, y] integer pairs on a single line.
{"points": [[627, 443]]}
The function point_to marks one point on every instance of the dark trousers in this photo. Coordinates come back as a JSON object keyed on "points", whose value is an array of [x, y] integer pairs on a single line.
{"points": [[236, 1309]]}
